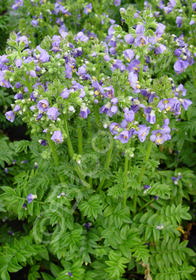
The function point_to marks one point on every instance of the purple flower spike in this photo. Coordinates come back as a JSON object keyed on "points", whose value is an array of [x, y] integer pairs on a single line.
{"points": [[31, 197], [53, 113], [10, 116], [57, 136], [43, 105]]}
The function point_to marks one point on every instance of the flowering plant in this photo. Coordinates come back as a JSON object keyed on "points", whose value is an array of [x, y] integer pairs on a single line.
{"points": [[98, 111]]}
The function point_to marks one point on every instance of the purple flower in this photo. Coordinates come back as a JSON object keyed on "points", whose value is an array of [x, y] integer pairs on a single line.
{"points": [[129, 54], [6, 170], [167, 104], [17, 108], [186, 103], [192, 22], [129, 115], [44, 56], [124, 136], [160, 49], [194, 7], [114, 128], [150, 115], [57, 136], [88, 9], [68, 71], [31, 197], [43, 105], [180, 66], [65, 94], [84, 112], [159, 30], [134, 66], [133, 80], [177, 52], [18, 3], [53, 113], [143, 132], [88, 225], [34, 22], [180, 90], [129, 39], [18, 63], [179, 22], [81, 36], [70, 274], [10, 116], [158, 136], [117, 2], [18, 96]]}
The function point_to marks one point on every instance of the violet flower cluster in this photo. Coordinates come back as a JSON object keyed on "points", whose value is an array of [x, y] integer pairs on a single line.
{"points": [[138, 112]]}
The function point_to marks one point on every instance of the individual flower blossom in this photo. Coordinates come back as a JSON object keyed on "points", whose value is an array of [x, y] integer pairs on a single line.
{"points": [[158, 136], [11, 232], [146, 188], [159, 30], [117, 3], [18, 63], [129, 115], [81, 37], [6, 170], [186, 103], [17, 108], [57, 136], [124, 136], [43, 142], [88, 9], [18, 96], [178, 52], [53, 113], [129, 54], [167, 104], [10, 116], [194, 7], [179, 22], [114, 128], [150, 115], [133, 80], [33, 73], [170, 5], [34, 22], [156, 197], [44, 56], [39, 116], [18, 3], [143, 132], [31, 197], [180, 66], [180, 90], [70, 274], [65, 94], [68, 71], [43, 105], [84, 112], [108, 109], [160, 49], [88, 225], [129, 39], [133, 66], [24, 206], [192, 22], [160, 227]]}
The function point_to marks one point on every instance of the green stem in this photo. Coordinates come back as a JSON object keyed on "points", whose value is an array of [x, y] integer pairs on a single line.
{"points": [[107, 164], [71, 154], [142, 174], [55, 156], [126, 171], [144, 206], [80, 150], [141, 68], [28, 83], [89, 129]]}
